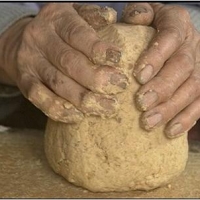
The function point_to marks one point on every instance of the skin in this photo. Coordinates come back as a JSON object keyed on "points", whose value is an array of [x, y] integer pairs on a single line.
{"points": [[58, 69], [170, 92]]}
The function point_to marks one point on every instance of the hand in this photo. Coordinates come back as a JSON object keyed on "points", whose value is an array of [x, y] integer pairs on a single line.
{"points": [[61, 65], [169, 69]]}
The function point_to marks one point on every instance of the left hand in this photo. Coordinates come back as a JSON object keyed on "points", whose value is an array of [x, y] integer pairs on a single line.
{"points": [[54, 60], [169, 69]]}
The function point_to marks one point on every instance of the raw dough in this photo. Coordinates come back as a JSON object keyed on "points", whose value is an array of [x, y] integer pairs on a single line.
{"points": [[116, 154]]}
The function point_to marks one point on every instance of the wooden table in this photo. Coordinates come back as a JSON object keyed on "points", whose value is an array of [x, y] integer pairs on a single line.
{"points": [[25, 173]]}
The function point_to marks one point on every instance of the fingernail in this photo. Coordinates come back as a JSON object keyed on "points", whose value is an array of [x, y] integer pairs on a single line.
{"points": [[145, 74], [153, 120], [109, 107], [107, 103], [174, 130], [144, 101], [119, 80], [113, 55], [102, 105], [137, 11]]}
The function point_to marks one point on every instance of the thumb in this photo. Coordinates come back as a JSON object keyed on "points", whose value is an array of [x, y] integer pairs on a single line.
{"points": [[138, 14], [96, 16]]}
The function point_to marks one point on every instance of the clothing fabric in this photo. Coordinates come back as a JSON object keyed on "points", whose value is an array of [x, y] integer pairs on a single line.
{"points": [[12, 12]]}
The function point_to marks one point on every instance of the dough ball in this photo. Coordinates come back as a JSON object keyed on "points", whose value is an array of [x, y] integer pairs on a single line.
{"points": [[104, 155]]}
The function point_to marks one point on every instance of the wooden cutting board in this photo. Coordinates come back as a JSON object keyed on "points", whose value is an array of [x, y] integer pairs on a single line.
{"points": [[25, 173]]}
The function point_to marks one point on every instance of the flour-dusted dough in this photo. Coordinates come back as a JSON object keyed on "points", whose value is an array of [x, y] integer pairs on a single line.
{"points": [[116, 154]]}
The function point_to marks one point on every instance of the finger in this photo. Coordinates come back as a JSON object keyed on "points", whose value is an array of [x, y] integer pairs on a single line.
{"points": [[95, 15], [164, 112], [75, 65], [75, 31], [138, 14], [53, 106], [171, 33], [62, 85], [106, 106], [184, 121], [175, 71], [87, 102]]}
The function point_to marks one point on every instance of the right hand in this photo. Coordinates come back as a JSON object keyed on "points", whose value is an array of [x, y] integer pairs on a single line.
{"points": [[62, 65], [169, 69]]}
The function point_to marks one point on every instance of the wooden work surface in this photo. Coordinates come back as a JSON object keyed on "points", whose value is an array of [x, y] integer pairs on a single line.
{"points": [[25, 173]]}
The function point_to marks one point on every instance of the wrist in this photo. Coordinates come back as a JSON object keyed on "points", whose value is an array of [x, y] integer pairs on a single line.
{"points": [[10, 42]]}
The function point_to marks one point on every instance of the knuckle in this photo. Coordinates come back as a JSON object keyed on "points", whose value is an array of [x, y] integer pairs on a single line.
{"points": [[69, 60], [65, 57], [32, 31], [181, 16], [166, 88], [47, 7], [187, 120], [174, 32], [75, 29], [54, 83], [159, 54], [187, 59], [168, 92], [195, 77], [52, 77], [185, 62], [173, 107], [195, 82], [52, 6], [47, 10], [183, 12], [196, 72], [33, 37]]}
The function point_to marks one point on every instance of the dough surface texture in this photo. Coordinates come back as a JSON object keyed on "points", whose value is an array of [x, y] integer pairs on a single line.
{"points": [[104, 155]]}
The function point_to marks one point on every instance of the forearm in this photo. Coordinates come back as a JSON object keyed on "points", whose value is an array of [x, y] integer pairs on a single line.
{"points": [[12, 12], [12, 22], [9, 42]]}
